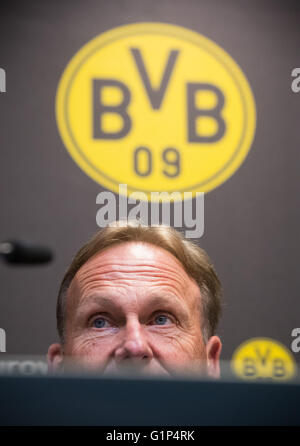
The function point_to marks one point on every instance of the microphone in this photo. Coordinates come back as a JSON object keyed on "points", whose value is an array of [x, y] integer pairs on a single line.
{"points": [[22, 253]]}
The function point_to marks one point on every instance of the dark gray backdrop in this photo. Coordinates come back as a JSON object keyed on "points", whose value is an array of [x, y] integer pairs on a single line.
{"points": [[251, 221]]}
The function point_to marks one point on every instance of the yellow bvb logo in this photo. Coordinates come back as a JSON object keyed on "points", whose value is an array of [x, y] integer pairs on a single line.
{"points": [[157, 107], [263, 358]]}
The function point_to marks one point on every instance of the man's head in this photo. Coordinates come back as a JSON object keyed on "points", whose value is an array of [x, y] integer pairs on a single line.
{"points": [[142, 296]]}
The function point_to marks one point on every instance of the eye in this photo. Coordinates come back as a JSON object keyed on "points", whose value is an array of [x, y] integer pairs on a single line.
{"points": [[161, 319], [99, 322]]}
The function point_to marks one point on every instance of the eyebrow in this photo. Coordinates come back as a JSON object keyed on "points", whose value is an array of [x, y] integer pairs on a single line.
{"points": [[154, 300]]}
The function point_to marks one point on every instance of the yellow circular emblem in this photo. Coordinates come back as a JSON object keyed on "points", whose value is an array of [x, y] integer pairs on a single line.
{"points": [[263, 358], [157, 107]]}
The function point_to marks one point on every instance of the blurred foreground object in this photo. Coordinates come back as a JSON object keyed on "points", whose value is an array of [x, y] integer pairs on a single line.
{"points": [[22, 253], [119, 401]]}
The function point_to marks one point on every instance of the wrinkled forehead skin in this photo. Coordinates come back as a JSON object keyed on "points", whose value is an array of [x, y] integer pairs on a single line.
{"points": [[130, 272]]}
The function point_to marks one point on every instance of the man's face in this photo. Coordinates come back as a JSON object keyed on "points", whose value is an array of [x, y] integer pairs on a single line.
{"points": [[134, 305]]}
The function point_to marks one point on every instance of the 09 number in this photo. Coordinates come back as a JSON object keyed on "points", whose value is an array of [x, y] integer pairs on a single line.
{"points": [[143, 162]]}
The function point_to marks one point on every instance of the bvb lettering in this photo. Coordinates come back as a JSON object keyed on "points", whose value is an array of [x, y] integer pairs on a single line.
{"points": [[156, 97]]}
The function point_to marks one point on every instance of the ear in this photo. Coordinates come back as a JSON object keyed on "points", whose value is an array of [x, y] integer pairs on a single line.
{"points": [[54, 357], [213, 351]]}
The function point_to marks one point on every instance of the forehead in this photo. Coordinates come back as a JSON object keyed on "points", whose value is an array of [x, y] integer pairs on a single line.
{"points": [[132, 265]]}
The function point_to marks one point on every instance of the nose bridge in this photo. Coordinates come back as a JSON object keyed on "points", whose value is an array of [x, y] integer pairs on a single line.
{"points": [[135, 332], [134, 343]]}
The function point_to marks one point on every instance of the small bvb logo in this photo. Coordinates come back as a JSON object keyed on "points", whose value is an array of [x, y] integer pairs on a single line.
{"points": [[263, 358]]}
